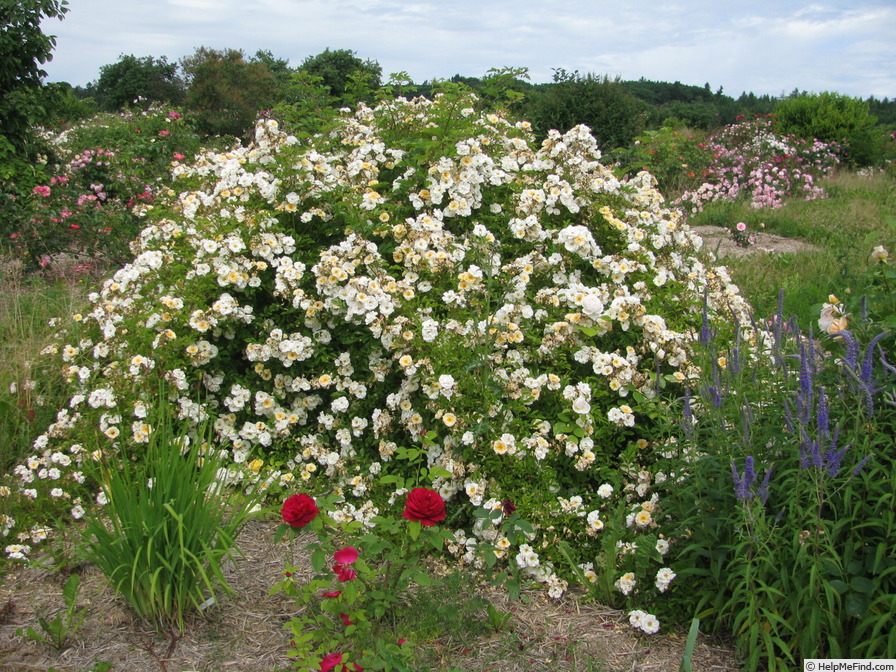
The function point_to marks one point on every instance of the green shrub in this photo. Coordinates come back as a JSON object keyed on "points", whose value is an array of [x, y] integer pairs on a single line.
{"points": [[833, 118], [674, 155], [599, 102]]}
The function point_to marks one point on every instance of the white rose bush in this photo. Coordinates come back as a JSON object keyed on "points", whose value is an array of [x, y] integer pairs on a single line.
{"points": [[421, 296]]}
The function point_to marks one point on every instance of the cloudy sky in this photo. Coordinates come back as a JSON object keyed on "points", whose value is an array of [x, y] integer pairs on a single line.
{"points": [[764, 46]]}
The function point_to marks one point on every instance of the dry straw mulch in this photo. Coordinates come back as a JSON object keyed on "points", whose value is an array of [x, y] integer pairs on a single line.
{"points": [[245, 632]]}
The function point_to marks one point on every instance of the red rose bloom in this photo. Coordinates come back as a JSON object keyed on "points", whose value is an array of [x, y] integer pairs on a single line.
{"points": [[344, 572], [330, 661], [299, 510], [424, 505]]}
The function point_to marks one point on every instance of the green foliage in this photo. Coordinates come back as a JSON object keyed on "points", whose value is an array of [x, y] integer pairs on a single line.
{"points": [[23, 49], [832, 117], [65, 624], [690, 643], [132, 80], [348, 79], [167, 527], [31, 392], [599, 102], [64, 107], [226, 92], [278, 67], [673, 155], [104, 173], [790, 554], [307, 107]]}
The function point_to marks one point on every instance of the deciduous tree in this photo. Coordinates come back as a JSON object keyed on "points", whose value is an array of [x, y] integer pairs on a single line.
{"points": [[226, 92], [132, 78], [342, 72], [24, 48]]}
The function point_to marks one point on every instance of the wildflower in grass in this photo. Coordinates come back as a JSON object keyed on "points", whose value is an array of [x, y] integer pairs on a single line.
{"points": [[880, 254]]}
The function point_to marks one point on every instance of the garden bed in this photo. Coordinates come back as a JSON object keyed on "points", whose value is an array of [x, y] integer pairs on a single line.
{"points": [[245, 633]]}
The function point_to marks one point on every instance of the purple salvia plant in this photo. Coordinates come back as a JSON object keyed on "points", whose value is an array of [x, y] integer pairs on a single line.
{"points": [[715, 398], [834, 458], [822, 419], [861, 465], [852, 348], [762, 492], [788, 417], [815, 455], [806, 392], [805, 445], [867, 360], [742, 484], [749, 471]]}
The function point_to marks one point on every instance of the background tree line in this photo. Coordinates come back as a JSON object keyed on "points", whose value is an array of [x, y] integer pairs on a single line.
{"points": [[225, 90]]}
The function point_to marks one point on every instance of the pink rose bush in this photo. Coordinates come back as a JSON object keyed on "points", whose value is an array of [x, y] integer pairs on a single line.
{"points": [[750, 160]]}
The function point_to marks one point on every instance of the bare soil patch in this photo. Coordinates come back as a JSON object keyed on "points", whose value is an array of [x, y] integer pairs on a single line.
{"points": [[245, 632], [717, 239]]}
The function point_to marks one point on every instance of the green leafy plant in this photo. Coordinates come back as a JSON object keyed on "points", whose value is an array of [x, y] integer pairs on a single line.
{"points": [[352, 622], [58, 631], [167, 526], [689, 645], [789, 481], [497, 619], [833, 117], [673, 155]]}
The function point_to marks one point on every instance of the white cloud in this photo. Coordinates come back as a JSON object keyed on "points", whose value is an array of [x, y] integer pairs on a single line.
{"points": [[766, 46]]}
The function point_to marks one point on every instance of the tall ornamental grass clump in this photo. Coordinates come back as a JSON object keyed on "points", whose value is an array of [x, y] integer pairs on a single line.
{"points": [[788, 478], [419, 297], [165, 526], [753, 160]]}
